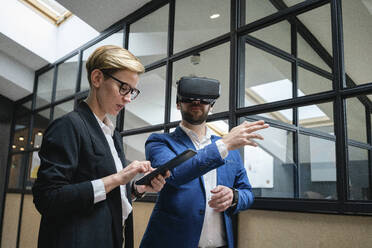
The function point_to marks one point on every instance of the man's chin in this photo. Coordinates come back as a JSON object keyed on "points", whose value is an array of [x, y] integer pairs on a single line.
{"points": [[194, 121]]}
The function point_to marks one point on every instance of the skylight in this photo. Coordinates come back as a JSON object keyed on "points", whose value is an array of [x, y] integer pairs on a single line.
{"points": [[278, 90], [50, 9]]}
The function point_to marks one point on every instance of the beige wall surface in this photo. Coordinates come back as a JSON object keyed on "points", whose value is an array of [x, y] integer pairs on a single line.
{"points": [[30, 224], [10, 222], [257, 228], [269, 229], [266, 229], [141, 216]]}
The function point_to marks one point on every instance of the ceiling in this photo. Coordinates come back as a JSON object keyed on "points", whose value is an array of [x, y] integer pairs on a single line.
{"points": [[96, 14], [102, 14]]}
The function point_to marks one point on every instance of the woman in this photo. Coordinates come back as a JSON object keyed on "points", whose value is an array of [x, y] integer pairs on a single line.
{"points": [[84, 190]]}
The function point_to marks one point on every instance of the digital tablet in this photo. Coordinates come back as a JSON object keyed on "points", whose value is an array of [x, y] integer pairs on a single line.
{"points": [[179, 159]]}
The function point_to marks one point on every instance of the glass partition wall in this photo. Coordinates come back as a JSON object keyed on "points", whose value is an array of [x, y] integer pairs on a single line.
{"points": [[299, 65]]}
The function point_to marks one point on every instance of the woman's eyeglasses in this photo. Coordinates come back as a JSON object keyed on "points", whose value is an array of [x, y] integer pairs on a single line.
{"points": [[125, 88]]}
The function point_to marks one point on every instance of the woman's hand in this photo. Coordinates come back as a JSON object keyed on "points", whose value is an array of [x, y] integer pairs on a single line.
{"points": [[126, 175]]}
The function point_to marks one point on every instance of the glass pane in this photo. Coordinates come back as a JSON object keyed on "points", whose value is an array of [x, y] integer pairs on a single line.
{"points": [[10, 221], [30, 223], [148, 108], [290, 3], [359, 180], [219, 57], [114, 39], [67, 75], [317, 117], [270, 166], [278, 35], [148, 37], [62, 109], [318, 22], [23, 109], [311, 83], [134, 146], [41, 122], [44, 88], [357, 26], [281, 116], [307, 53], [258, 9], [195, 25], [16, 172], [267, 77], [21, 130], [255, 10], [317, 159], [33, 167], [356, 120]]}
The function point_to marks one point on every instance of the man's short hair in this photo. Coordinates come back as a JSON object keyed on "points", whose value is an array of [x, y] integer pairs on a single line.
{"points": [[111, 59]]}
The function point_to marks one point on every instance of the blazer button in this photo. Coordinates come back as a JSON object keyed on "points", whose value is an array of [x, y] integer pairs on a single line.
{"points": [[201, 212]]}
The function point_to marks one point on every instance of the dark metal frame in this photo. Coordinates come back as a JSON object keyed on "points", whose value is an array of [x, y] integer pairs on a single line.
{"points": [[239, 36]]}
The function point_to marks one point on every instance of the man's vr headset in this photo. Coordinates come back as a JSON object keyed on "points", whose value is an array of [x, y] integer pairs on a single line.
{"points": [[205, 90]]}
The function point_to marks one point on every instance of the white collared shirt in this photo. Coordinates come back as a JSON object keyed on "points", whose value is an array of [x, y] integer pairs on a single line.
{"points": [[213, 231], [98, 186]]}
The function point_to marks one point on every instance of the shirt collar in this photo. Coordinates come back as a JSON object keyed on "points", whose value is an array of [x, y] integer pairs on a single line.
{"points": [[194, 136], [106, 125]]}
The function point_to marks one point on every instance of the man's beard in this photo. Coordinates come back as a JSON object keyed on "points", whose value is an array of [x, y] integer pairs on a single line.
{"points": [[187, 116]]}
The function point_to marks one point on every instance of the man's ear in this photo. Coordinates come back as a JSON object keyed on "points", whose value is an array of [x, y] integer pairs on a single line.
{"points": [[178, 105], [96, 78]]}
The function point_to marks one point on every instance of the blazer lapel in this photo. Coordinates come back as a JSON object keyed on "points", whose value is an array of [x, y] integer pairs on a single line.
{"points": [[119, 147], [99, 142], [182, 137], [118, 142]]}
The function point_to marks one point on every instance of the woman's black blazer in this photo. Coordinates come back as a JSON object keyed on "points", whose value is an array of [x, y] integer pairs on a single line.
{"points": [[74, 152]]}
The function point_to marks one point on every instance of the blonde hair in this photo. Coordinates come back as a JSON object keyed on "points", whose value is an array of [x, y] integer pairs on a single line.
{"points": [[112, 58]]}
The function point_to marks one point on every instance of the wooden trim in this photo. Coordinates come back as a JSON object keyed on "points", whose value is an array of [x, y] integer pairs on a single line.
{"points": [[316, 122], [216, 129], [57, 20]]}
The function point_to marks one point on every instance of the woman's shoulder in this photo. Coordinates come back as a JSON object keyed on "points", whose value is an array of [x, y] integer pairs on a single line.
{"points": [[71, 120]]}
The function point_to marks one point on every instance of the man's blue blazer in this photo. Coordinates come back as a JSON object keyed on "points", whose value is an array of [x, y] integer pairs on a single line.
{"points": [[178, 215]]}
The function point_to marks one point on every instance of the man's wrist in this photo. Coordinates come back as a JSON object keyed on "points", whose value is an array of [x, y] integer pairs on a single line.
{"points": [[235, 197], [222, 148]]}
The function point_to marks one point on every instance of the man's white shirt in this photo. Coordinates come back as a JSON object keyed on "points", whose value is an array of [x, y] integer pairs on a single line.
{"points": [[213, 231]]}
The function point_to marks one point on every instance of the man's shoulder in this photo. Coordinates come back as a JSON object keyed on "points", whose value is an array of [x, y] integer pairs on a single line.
{"points": [[160, 136]]}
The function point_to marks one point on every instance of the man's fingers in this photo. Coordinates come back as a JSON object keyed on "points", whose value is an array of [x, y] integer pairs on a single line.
{"points": [[248, 124], [216, 189], [255, 128], [255, 136], [251, 143], [223, 199], [220, 192], [219, 206]]}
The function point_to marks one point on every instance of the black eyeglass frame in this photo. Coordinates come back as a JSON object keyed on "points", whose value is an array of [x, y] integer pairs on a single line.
{"points": [[134, 92]]}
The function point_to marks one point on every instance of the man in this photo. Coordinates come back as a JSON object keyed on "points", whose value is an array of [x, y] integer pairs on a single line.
{"points": [[83, 189], [195, 207]]}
